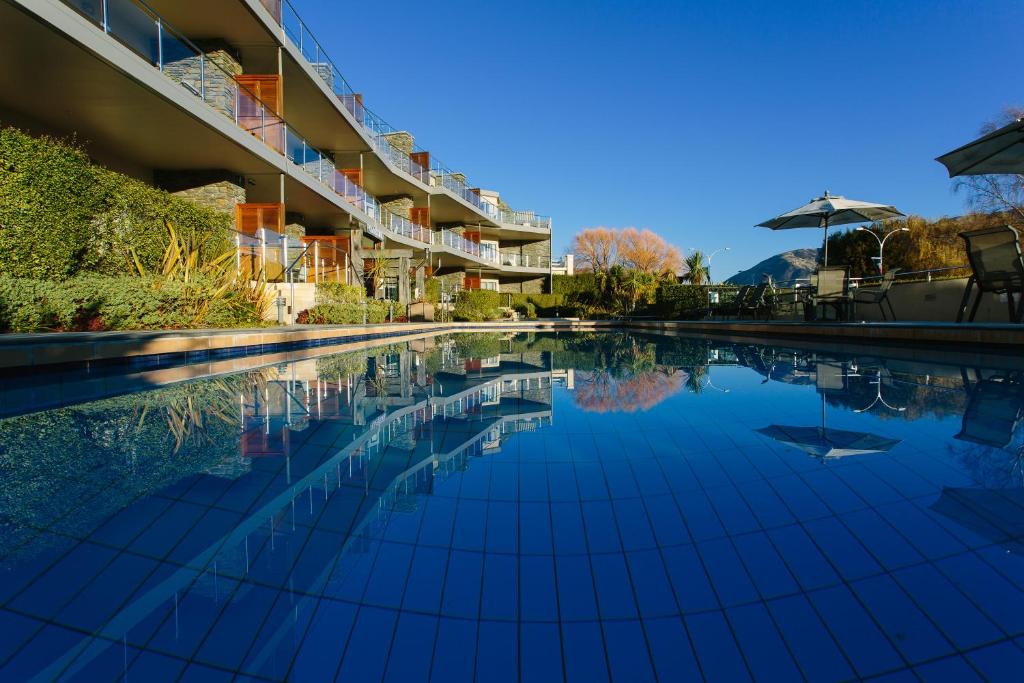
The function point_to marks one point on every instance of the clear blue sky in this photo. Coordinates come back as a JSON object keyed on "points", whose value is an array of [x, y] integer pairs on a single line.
{"points": [[694, 119]]}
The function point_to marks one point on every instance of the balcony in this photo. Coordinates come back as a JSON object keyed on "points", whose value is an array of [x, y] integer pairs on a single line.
{"points": [[457, 242], [299, 35], [147, 34], [405, 227], [526, 218]]}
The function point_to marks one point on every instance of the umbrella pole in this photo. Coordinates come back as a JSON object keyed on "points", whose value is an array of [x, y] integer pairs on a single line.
{"points": [[826, 241]]}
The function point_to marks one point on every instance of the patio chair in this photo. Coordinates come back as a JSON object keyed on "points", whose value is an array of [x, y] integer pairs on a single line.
{"points": [[998, 268], [832, 288], [880, 295], [736, 305], [754, 300]]}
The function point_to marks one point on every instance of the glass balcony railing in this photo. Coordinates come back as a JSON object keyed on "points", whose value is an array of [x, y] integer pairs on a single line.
{"points": [[296, 32], [525, 261], [405, 227], [455, 241], [136, 26], [527, 218]]}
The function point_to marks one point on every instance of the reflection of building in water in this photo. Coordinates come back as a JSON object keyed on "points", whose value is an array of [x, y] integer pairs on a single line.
{"points": [[334, 452]]}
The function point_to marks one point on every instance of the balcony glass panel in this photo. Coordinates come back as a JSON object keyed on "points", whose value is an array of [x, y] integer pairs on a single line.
{"points": [[135, 28], [90, 8], [182, 62]]}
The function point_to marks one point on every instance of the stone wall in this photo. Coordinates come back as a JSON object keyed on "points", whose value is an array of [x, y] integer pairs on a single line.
{"points": [[400, 206], [401, 140], [220, 83], [531, 286], [219, 190], [294, 224], [537, 252]]}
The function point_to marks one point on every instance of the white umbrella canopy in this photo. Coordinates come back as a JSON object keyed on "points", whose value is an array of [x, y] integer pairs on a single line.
{"points": [[830, 209], [1001, 151]]}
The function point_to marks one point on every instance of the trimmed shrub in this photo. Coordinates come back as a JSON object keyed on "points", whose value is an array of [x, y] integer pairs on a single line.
{"points": [[679, 301], [99, 302], [525, 309], [477, 305], [60, 214], [432, 290], [341, 304], [580, 283]]}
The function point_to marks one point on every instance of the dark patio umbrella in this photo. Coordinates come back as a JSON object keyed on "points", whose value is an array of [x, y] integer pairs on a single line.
{"points": [[1001, 151], [829, 209]]}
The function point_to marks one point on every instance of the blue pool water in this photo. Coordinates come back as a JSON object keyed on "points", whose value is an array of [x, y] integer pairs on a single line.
{"points": [[533, 507]]}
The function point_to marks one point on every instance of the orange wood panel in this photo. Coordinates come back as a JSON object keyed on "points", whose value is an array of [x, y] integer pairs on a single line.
{"points": [[251, 217], [420, 215]]}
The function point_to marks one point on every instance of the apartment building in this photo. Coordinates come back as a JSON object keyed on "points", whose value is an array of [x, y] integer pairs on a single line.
{"points": [[234, 104]]}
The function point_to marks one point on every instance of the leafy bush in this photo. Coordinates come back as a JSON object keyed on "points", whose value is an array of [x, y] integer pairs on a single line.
{"points": [[477, 305], [61, 215], [100, 302], [526, 309], [432, 290], [580, 283], [679, 301], [345, 313], [339, 293], [341, 304]]}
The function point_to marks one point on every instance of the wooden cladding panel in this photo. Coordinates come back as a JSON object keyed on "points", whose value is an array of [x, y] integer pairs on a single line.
{"points": [[251, 217], [471, 282], [420, 215], [266, 87], [355, 175]]}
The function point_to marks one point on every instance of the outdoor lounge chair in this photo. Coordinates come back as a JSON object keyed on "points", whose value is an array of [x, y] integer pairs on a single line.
{"points": [[880, 295], [735, 306], [832, 288], [998, 267], [754, 301]]}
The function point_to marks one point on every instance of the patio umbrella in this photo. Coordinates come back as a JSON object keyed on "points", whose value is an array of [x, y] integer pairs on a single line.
{"points": [[1001, 151], [821, 212]]}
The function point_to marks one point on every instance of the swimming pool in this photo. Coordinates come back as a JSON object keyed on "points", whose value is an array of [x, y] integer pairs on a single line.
{"points": [[534, 507]]}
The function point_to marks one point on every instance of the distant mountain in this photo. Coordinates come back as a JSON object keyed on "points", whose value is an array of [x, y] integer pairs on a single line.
{"points": [[789, 265]]}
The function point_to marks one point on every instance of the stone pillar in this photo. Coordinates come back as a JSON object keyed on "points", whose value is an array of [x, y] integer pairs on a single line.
{"points": [[403, 281], [400, 140], [221, 67], [219, 190], [400, 206], [294, 224]]}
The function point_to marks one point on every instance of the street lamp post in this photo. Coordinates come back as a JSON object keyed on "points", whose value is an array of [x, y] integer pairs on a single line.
{"points": [[881, 242], [710, 281]]}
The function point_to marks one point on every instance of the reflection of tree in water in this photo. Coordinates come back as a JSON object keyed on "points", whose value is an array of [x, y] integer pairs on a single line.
{"points": [[626, 376], [992, 468], [603, 392], [68, 468]]}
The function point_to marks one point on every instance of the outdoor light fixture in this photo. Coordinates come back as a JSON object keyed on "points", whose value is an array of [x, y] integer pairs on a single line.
{"points": [[881, 243]]}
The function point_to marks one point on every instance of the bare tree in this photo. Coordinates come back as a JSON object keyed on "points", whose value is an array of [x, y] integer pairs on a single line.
{"points": [[596, 249], [995, 193]]}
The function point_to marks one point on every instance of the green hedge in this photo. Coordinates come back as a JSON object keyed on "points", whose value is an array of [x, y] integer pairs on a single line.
{"points": [[679, 301], [61, 215], [580, 283], [341, 304], [477, 305], [432, 290], [101, 302]]}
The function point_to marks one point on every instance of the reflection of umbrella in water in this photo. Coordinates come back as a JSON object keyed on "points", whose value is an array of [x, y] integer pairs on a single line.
{"points": [[826, 443]]}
